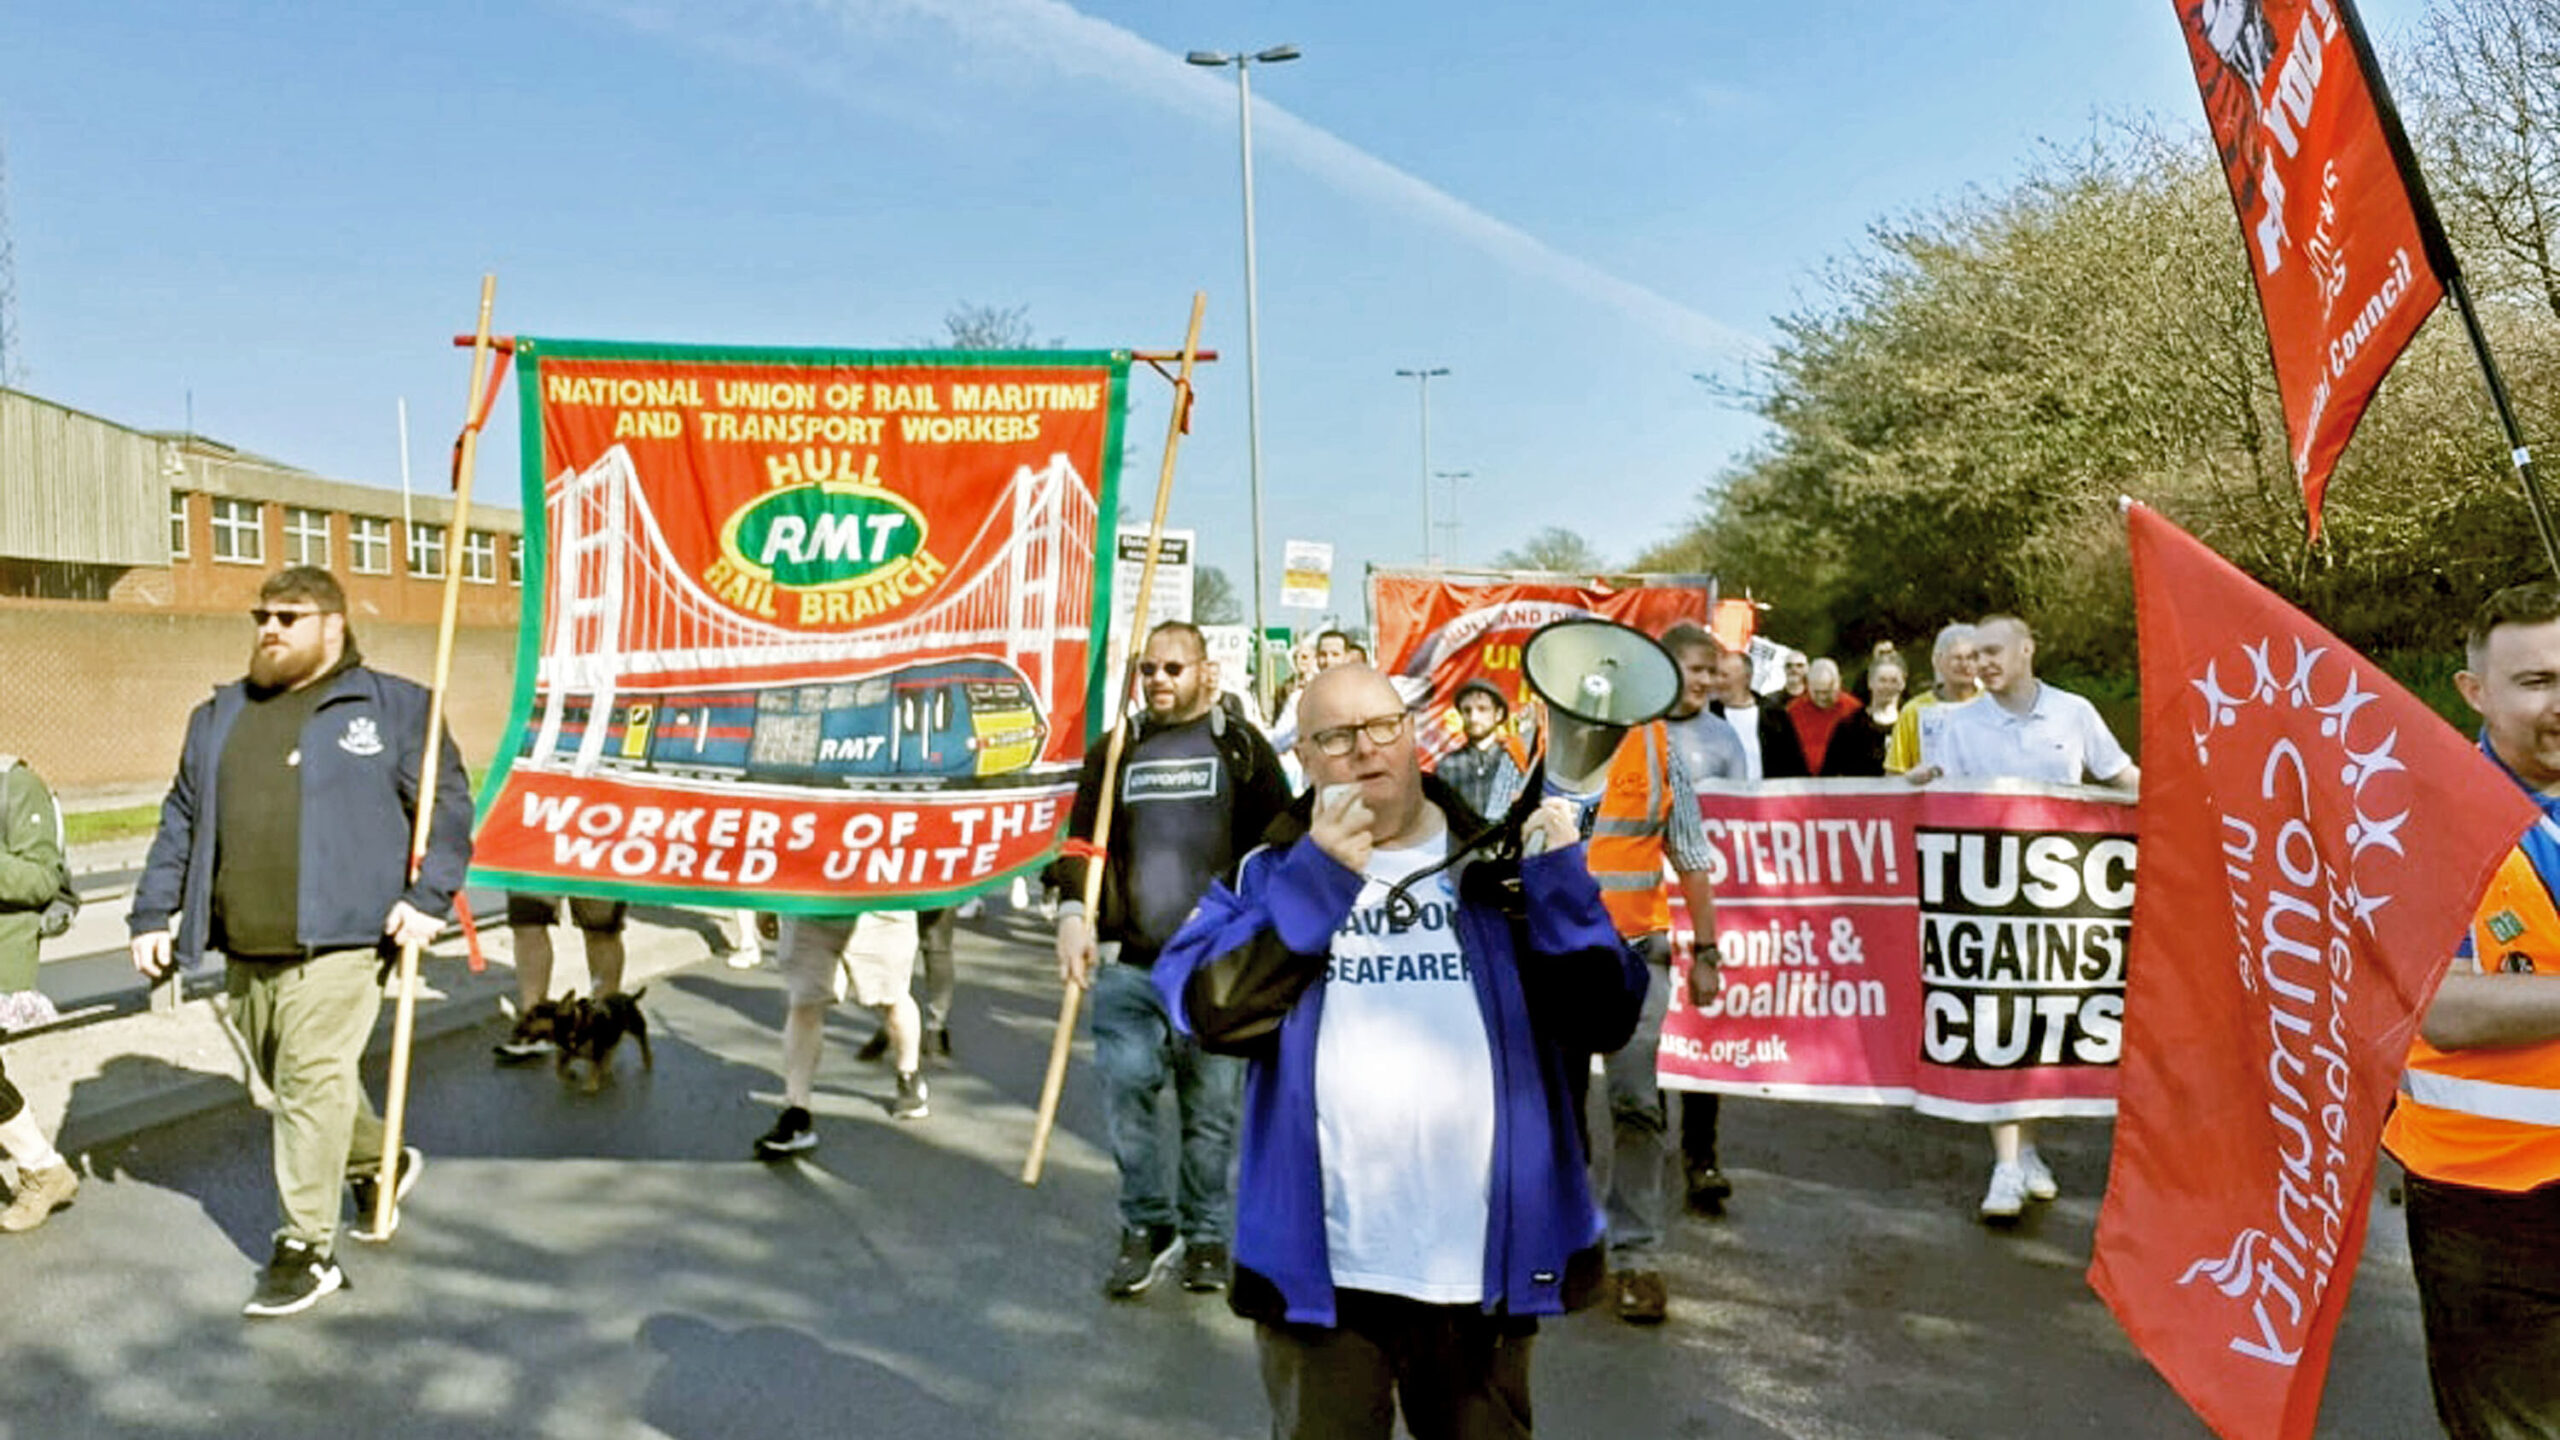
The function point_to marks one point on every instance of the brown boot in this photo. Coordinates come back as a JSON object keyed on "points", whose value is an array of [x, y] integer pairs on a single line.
{"points": [[40, 1193], [1642, 1297]]}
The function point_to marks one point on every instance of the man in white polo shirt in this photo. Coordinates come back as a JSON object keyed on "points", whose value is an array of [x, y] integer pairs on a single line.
{"points": [[2022, 729], [2030, 730]]}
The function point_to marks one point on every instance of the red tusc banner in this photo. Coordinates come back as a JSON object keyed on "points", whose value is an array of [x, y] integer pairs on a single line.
{"points": [[1435, 634], [807, 630], [1957, 950], [2341, 258], [2313, 841]]}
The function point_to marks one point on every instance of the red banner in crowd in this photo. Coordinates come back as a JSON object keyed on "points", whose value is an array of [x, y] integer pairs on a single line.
{"points": [[814, 627], [2313, 841], [1436, 634], [1960, 951], [2343, 261]]}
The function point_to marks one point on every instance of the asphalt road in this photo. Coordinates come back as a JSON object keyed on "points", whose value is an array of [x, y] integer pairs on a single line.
{"points": [[614, 1265]]}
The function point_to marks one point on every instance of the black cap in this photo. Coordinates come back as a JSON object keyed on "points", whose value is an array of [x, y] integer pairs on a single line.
{"points": [[1483, 687]]}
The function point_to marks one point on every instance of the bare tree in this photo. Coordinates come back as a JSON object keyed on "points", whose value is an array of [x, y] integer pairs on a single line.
{"points": [[1213, 598], [2486, 78], [1555, 549], [990, 327]]}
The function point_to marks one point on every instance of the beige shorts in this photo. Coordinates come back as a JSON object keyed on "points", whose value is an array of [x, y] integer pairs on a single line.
{"points": [[874, 954]]}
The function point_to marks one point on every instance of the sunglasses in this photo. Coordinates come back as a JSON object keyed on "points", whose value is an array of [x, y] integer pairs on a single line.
{"points": [[262, 617], [1382, 730], [1171, 669]]}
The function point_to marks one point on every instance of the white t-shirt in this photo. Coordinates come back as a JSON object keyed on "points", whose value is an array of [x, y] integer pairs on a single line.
{"points": [[1404, 1094], [2055, 740], [1745, 720]]}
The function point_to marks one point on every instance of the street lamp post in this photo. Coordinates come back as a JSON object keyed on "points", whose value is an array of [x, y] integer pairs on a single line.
{"points": [[1421, 377], [1450, 525], [1252, 341]]}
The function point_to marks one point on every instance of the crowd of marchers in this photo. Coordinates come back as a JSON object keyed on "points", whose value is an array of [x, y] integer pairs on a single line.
{"points": [[1373, 987]]}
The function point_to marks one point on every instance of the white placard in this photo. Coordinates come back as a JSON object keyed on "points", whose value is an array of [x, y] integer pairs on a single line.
{"points": [[1306, 574], [1171, 599]]}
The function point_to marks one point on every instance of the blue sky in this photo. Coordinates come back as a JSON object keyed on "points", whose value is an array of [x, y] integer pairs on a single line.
{"points": [[285, 209]]}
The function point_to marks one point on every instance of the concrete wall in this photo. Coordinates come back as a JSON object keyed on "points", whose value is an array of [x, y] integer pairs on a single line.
{"points": [[98, 699]]}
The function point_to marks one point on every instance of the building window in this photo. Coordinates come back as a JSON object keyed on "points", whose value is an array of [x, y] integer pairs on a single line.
{"points": [[480, 558], [426, 551], [177, 524], [368, 545], [239, 531], [306, 537], [515, 560]]}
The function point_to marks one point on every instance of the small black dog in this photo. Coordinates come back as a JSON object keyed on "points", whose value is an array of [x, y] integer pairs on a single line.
{"points": [[535, 1031], [587, 1032]]}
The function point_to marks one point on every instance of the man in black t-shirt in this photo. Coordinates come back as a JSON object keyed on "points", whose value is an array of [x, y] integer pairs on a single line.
{"points": [[285, 844], [1196, 790]]}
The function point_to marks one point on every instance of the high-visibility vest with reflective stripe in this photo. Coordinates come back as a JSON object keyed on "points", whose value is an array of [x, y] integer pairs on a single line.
{"points": [[1625, 851], [2490, 1118]]}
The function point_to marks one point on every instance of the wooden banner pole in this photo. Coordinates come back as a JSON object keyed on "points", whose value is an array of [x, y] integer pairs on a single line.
{"points": [[404, 1011], [1054, 1083]]}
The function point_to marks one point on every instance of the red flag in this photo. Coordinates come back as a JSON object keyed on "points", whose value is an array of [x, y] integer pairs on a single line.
{"points": [[2342, 242], [2313, 841]]}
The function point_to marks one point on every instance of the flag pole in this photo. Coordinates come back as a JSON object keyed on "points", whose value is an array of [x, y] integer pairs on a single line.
{"points": [[2439, 245], [404, 1011], [1053, 1084]]}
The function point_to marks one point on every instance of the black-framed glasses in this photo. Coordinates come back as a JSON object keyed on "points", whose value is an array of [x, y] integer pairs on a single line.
{"points": [[1170, 669], [1382, 730], [262, 617]]}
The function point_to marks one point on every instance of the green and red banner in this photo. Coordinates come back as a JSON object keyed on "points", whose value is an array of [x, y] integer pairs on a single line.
{"points": [[814, 630]]}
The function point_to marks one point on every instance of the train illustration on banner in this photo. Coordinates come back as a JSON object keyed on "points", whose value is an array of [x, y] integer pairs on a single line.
{"points": [[947, 723]]}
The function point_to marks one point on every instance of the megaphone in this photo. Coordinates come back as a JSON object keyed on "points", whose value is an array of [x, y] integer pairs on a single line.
{"points": [[1600, 679]]}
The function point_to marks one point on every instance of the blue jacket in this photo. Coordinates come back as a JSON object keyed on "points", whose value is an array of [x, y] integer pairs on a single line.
{"points": [[1555, 985], [361, 750]]}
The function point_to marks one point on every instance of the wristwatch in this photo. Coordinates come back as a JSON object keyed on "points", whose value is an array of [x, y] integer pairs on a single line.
{"points": [[1707, 954]]}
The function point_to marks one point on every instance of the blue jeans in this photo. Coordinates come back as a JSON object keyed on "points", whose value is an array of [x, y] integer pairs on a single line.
{"points": [[1136, 1051]]}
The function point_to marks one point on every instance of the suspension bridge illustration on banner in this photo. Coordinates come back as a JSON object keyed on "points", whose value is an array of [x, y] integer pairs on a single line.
{"points": [[642, 668]]}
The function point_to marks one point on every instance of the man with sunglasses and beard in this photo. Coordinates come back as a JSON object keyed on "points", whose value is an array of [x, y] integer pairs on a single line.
{"points": [[284, 844], [1195, 790]]}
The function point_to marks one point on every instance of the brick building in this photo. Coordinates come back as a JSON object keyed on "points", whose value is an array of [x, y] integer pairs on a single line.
{"points": [[127, 560]]}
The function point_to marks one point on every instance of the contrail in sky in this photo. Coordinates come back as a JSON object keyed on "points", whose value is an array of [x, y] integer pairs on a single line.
{"points": [[1058, 36]]}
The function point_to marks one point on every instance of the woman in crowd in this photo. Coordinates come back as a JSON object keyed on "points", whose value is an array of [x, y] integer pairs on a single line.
{"points": [[1858, 747]]}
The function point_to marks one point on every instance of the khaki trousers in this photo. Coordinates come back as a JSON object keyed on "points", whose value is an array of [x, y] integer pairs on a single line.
{"points": [[306, 1022]]}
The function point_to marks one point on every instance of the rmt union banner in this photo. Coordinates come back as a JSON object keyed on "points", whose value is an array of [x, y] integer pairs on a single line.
{"points": [[1961, 951], [804, 629]]}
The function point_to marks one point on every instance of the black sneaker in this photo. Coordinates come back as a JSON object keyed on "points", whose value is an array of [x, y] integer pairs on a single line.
{"points": [[875, 1049], [791, 1135], [1145, 1257], [910, 1104], [1204, 1267], [295, 1280], [1708, 1190], [366, 1187]]}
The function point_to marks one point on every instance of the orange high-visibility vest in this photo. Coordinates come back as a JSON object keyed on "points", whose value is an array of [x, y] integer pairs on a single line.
{"points": [[2490, 1118], [1625, 852]]}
